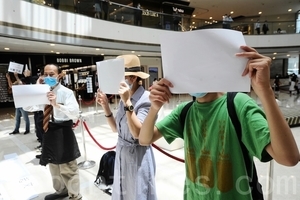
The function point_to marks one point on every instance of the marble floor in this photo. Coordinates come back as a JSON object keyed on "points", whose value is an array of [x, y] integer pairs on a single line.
{"points": [[21, 176]]}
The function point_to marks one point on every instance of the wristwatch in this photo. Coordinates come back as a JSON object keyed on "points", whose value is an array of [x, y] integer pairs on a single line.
{"points": [[129, 108]]}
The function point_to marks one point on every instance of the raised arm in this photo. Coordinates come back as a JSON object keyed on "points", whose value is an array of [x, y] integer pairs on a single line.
{"points": [[103, 101], [282, 147], [159, 95]]}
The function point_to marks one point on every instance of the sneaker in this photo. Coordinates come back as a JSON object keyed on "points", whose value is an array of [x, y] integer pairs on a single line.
{"points": [[55, 196], [14, 132]]}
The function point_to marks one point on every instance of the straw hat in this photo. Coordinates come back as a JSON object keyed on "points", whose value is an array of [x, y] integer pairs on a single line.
{"points": [[133, 66]]}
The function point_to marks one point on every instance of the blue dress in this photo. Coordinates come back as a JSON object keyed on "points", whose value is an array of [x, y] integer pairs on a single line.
{"points": [[134, 173]]}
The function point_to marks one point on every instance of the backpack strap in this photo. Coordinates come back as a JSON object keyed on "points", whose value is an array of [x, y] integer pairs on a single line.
{"points": [[256, 189], [183, 113]]}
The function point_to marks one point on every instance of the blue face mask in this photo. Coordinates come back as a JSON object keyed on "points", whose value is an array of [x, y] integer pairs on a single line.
{"points": [[127, 82], [51, 81], [199, 94]]}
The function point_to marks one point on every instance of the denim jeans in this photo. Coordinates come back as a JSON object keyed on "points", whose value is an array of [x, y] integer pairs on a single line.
{"points": [[20, 112]]}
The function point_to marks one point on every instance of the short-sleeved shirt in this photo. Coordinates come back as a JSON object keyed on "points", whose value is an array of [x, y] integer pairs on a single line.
{"points": [[215, 167]]}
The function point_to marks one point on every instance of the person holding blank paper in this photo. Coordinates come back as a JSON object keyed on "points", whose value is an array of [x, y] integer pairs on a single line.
{"points": [[134, 173], [214, 154]]}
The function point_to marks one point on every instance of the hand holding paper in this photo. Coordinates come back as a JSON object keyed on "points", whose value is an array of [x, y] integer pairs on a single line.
{"points": [[30, 95], [110, 74], [204, 61]]}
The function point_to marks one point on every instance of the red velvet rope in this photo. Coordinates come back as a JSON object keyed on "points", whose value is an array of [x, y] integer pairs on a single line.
{"points": [[102, 147], [167, 154], [76, 124], [105, 148], [88, 102]]}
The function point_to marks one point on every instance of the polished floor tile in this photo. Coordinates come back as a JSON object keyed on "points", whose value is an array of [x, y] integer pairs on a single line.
{"points": [[21, 176]]}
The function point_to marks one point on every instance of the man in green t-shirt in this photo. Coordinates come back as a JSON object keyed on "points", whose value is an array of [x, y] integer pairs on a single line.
{"points": [[215, 167]]}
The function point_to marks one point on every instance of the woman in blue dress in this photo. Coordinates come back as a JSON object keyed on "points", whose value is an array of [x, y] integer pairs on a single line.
{"points": [[134, 173]]}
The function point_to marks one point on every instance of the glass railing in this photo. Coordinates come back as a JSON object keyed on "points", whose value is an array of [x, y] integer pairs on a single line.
{"points": [[127, 14]]}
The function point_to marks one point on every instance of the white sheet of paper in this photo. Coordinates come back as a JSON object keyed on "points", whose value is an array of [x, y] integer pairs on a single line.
{"points": [[30, 95], [15, 67], [204, 61], [110, 74]]}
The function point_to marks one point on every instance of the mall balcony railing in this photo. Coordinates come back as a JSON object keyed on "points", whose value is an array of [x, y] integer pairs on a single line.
{"points": [[127, 14]]}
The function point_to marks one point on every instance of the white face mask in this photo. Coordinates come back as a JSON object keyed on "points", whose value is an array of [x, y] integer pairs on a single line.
{"points": [[129, 84]]}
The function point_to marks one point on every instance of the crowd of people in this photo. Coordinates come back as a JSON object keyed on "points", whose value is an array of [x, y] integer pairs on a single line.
{"points": [[266, 135]]}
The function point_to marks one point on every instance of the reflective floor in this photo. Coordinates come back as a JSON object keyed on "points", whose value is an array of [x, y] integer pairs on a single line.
{"points": [[21, 177]]}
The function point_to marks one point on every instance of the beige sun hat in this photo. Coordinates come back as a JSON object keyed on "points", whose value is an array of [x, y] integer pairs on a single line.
{"points": [[133, 66]]}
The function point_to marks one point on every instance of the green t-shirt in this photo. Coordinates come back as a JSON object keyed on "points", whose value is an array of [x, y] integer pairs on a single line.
{"points": [[214, 162]]}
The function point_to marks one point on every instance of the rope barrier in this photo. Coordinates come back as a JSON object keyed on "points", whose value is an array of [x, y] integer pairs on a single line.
{"points": [[76, 124], [89, 102], [167, 154], [102, 147], [110, 148]]}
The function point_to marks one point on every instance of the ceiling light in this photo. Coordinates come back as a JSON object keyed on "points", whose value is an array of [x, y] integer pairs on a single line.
{"points": [[132, 51], [210, 18], [288, 55], [193, 23], [194, 15], [274, 53], [52, 51], [231, 12], [97, 49], [259, 13], [273, 58], [6, 48], [57, 52], [52, 44], [289, 10], [102, 54], [139, 55]]}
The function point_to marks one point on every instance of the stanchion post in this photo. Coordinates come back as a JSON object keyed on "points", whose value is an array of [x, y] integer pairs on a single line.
{"points": [[270, 180], [179, 98], [79, 99], [116, 102], [86, 164], [96, 104]]}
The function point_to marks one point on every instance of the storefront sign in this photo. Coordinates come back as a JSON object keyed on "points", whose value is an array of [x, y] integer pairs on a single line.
{"points": [[179, 10], [69, 60], [150, 13]]}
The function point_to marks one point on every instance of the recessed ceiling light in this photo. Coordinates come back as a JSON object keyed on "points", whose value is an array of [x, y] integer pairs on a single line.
{"points": [[102, 54], [289, 10], [52, 44], [193, 22], [274, 53], [6, 48], [288, 55], [57, 52], [210, 18], [273, 58], [194, 15], [132, 51], [97, 49], [231, 12], [52, 51], [139, 55], [259, 13]]}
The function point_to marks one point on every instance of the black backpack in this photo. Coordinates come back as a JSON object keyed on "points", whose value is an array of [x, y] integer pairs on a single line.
{"points": [[105, 173], [256, 188]]}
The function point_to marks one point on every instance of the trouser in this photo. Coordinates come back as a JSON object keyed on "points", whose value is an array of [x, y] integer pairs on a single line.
{"points": [[20, 112], [65, 179], [38, 121]]}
